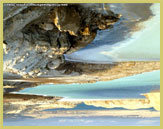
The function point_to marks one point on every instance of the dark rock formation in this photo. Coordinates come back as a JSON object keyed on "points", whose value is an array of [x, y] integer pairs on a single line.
{"points": [[36, 37]]}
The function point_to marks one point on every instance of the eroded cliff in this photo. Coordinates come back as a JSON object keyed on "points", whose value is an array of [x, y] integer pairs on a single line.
{"points": [[36, 37]]}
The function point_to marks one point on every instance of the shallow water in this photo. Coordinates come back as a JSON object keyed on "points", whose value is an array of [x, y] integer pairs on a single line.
{"points": [[136, 37], [127, 87], [125, 42]]}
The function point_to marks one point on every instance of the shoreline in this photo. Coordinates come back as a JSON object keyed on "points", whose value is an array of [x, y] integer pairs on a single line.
{"points": [[88, 73]]}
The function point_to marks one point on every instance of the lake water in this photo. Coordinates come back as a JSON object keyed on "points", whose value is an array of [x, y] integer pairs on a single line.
{"points": [[112, 45], [131, 39], [127, 87]]}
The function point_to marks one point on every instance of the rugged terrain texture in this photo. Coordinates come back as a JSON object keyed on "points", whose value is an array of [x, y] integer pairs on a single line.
{"points": [[36, 37], [82, 73]]}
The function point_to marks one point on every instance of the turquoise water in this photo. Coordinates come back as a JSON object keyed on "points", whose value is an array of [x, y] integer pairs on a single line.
{"points": [[119, 44], [127, 87]]}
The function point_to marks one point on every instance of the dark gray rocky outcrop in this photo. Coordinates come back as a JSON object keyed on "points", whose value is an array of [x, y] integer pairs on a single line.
{"points": [[36, 37]]}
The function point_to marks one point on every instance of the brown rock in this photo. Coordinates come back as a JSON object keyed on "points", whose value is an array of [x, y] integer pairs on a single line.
{"points": [[67, 19]]}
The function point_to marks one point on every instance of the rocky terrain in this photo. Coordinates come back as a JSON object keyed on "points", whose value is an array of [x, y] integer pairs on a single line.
{"points": [[36, 37], [81, 73]]}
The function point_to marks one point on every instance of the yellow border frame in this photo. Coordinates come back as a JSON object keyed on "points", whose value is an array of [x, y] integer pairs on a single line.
{"points": [[64, 1]]}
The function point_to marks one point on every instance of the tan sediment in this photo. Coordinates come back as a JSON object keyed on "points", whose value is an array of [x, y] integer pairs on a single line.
{"points": [[154, 98], [96, 72], [88, 113], [29, 105], [76, 72]]}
